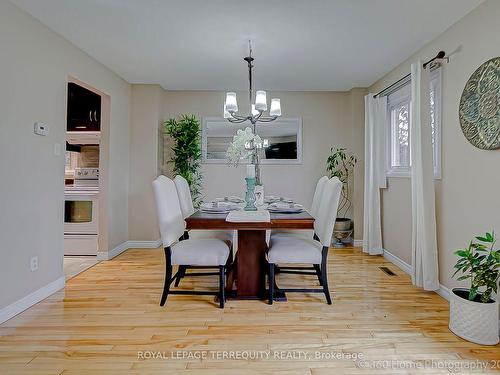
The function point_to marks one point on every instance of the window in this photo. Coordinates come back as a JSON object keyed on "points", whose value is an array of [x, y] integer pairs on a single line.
{"points": [[399, 107], [399, 114]]}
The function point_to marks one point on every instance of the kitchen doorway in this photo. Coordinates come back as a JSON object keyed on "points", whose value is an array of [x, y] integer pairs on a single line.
{"points": [[86, 177]]}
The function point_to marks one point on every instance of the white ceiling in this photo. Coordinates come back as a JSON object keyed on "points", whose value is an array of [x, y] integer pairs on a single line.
{"points": [[298, 44]]}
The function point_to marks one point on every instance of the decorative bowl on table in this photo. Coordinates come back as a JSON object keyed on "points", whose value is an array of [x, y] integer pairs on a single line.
{"points": [[233, 199], [285, 208], [217, 207], [271, 199]]}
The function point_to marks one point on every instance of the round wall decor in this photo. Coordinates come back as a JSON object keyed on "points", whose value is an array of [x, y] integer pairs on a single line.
{"points": [[479, 110]]}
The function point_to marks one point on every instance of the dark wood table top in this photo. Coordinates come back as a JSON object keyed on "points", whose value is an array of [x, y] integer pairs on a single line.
{"points": [[204, 220]]}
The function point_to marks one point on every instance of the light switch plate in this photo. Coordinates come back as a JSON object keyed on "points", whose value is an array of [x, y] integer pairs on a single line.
{"points": [[34, 264], [41, 128]]}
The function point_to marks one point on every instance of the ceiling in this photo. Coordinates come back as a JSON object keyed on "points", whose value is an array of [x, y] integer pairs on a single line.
{"points": [[298, 44]]}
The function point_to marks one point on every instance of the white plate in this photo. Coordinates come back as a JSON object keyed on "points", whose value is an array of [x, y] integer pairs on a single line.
{"points": [[285, 208], [271, 198], [216, 210]]}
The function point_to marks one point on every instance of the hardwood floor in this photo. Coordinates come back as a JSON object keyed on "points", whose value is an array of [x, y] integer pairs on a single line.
{"points": [[74, 265], [108, 321]]}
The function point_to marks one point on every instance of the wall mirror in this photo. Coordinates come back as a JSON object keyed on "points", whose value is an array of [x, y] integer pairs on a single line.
{"points": [[284, 136]]}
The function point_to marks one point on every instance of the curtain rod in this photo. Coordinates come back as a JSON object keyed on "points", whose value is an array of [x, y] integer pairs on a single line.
{"points": [[440, 56]]}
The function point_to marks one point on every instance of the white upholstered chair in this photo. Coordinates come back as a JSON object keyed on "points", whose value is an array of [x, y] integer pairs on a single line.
{"points": [[297, 250], [187, 209], [320, 185], [318, 192], [184, 194], [180, 252]]}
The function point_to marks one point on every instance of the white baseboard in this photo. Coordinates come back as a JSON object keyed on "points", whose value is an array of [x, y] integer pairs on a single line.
{"points": [[405, 267], [442, 291], [144, 244], [31, 299], [357, 243], [128, 245], [107, 255]]}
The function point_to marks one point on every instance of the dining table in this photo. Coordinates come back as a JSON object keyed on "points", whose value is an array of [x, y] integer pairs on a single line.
{"points": [[246, 278]]}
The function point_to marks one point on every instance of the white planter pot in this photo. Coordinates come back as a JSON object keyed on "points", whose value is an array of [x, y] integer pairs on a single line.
{"points": [[473, 321]]}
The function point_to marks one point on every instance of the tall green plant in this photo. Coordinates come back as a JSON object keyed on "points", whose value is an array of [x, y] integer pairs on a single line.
{"points": [[341, 164], [480, 263], [186, 158]]}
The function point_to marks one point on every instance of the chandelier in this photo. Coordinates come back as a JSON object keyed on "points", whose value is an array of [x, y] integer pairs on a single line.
{"points": [[256, 110]]}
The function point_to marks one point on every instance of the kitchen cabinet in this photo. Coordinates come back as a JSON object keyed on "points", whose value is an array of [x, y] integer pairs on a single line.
{"points": [[84, 109]]}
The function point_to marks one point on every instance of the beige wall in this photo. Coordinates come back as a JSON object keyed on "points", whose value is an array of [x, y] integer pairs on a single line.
{"points": [[357, 108], [467, 200], [35, 65], [328, 118], [144, 160]]}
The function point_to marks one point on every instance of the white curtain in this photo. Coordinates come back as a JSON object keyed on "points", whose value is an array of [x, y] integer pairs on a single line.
{"points": [[424, 243], [375, 179]]}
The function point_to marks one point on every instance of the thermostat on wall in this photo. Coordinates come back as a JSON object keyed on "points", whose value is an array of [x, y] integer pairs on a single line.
{"points": [[41, 128]]}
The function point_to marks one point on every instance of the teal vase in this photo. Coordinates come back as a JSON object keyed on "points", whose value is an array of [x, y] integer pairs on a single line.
{"points": [[250, 195]]}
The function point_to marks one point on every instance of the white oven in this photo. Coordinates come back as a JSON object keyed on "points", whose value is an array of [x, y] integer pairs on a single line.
{"points": [[81, 211]]}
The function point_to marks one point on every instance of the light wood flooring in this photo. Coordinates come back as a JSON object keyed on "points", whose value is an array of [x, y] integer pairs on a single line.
{"points": [[108, 321], [74, 265]]}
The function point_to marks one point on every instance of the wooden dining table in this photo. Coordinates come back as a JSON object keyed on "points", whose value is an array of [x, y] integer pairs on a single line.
{"points": [[246, 279]]}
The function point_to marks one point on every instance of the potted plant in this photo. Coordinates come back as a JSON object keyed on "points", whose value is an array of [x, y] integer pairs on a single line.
{"points": [[185, 134], [474, 311], [341, 164]]}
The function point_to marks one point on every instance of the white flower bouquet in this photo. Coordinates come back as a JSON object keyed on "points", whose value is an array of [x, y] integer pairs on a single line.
{"points": [[242, 146]]}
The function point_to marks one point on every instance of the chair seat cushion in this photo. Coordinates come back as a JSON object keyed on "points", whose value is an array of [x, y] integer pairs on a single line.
{"points": [[200, 252], [224, 235], [306, 234], [291, 249]]}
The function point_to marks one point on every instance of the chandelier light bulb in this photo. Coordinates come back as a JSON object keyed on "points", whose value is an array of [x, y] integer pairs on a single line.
{"points": [[254, 111], [275, 107], [226, 113], [260, 101], [231, 103]]}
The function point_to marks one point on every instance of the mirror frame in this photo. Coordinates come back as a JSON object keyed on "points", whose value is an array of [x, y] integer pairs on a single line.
{"points": [[296, 120]]}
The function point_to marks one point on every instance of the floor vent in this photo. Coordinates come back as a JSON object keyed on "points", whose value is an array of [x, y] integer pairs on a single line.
{"points": [[387, 271]]}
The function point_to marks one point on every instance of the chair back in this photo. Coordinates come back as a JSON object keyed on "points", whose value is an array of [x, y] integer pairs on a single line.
{"points": [[317, 196], [327, 211], [169, 212], [184, 193]]}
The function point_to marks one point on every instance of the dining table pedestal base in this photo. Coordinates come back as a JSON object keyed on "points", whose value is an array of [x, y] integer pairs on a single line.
{"points": [[250, 268], [246, 277]]}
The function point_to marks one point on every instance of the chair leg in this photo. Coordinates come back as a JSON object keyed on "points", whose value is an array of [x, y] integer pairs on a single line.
{"points": [[230, 260], [318, 273], [180, 274], [324, 277], [222, 276], [168, 276], [271, 283]]}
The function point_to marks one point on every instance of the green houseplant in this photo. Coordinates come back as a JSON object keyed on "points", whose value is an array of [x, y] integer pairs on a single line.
{"points": [[340, 163], [186, 137], [473, 310]]}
